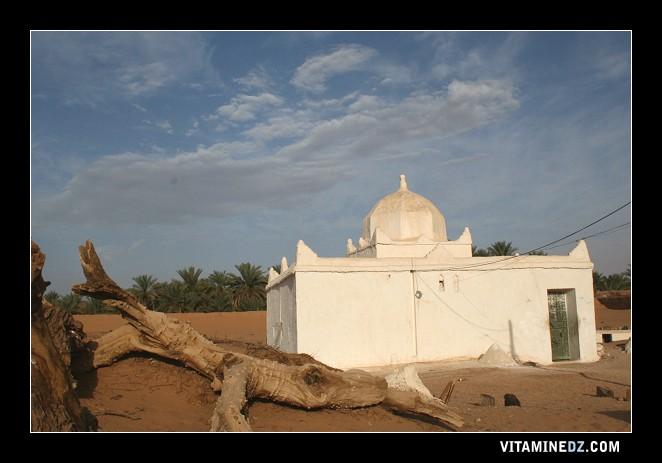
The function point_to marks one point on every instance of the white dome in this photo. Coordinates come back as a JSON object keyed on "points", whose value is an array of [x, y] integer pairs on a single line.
{"points": [[405, 216]]}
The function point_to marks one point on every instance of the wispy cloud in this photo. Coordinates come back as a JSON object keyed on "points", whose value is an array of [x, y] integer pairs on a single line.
{"points": [[256, 79], [495, 57], [194, 129], [314, 72], [139, 107], [245, 107], [375, 126], [486, 125], [292, 125], [163, 125], [136, 244], [225, 178], [328, 103], [91, 67]]}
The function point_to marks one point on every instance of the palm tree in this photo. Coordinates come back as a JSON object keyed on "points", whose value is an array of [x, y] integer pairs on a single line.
{"points": [[93, 306], [248, 288], [221, 280], [501, 248], [537, 253], [219, 294], [190, 276], [598, 281], [196, 291], [476, 252], [52, 297], [143, 288], [171, 296], [71, 303], [216, 299], [615, 282]]}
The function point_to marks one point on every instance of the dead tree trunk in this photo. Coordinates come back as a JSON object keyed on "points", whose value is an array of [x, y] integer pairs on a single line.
{"points": [[292, 379], [55, 406]]}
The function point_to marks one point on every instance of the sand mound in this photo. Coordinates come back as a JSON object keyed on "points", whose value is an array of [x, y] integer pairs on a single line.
{"points": [[496, 356], [167, 397], [615, 299], [407, 378], [614, 316]]}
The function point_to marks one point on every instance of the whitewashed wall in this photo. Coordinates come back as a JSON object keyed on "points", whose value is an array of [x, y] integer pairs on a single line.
{"points": [[364, 318], [352, 319], [509, 307]]}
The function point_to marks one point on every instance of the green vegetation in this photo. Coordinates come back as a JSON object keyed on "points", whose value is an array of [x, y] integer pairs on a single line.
{"points": [[244, 289], [76, 304], [501, 248], [190, 292], [614, 281], [600, 282]]}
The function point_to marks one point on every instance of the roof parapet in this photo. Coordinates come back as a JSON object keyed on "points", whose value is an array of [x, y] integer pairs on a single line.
{"points": [[351, 249], [273, 274], [465, 237], [305, 255], [580, 251]]}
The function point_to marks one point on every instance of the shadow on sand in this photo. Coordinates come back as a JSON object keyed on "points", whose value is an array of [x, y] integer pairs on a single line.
{"points": [[623, 415]]}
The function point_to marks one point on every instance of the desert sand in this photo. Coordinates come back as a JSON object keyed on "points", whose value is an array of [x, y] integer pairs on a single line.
{"points": [[612, 310], [140, 393]]}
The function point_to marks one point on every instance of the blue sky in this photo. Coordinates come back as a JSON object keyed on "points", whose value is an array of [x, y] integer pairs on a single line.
{"points": [[171, 149]]}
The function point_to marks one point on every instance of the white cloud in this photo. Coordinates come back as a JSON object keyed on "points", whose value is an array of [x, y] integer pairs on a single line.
{"points": [[314, 72], [228, 178], [365, 103], [495, 57], [244, 108], [143, 78], [139, 107], [163, 125], [421, 116], [158, 149], [469, 63], [286, 126], [92, 67], [257, 78], [329, 103], [193, 130], [136, 244], [611, 65], [393, 74]]}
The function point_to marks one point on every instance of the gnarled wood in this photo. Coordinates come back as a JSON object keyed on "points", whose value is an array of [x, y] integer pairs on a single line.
{"points": [[291, 379], [412, 402], [54, 404], [120, 342], [228, 413], [127, 339], [445, 396], [66, 332]]}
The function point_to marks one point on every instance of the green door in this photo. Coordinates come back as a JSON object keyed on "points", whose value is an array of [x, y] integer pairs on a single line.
{"points": [[558, 325]]}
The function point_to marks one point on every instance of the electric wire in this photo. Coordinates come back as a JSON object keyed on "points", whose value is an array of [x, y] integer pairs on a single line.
{"points": [[617, 228], [540, 248]]}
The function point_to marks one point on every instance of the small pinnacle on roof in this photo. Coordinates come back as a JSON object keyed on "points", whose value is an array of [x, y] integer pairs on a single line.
{"points": [[403, 183]]}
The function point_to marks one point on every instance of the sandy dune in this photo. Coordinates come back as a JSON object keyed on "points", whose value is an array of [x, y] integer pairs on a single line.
{"points": [[243, 326], [145, 394]]}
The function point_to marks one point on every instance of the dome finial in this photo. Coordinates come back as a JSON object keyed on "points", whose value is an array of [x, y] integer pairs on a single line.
{"points": [[403, 183]]}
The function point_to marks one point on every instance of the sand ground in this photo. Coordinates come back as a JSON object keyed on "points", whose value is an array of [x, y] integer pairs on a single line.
{"points": [[140, 393]]}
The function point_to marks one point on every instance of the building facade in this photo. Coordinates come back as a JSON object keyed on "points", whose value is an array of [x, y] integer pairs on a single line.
{"points": [[405, 293]]}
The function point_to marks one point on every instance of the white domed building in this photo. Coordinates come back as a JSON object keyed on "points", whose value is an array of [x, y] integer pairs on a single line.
{"points": [[405, 293]]}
